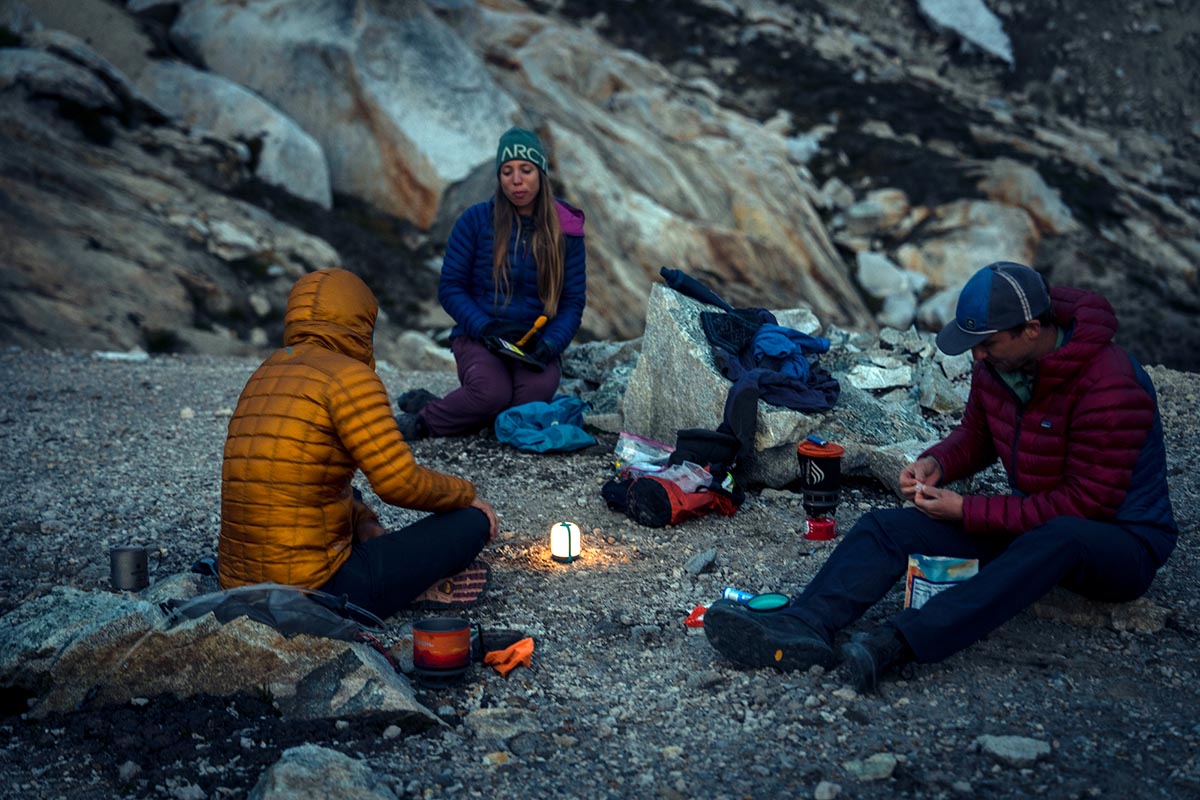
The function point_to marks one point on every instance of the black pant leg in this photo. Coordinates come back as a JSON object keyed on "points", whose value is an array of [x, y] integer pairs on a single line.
{"points": [[387, 573]]}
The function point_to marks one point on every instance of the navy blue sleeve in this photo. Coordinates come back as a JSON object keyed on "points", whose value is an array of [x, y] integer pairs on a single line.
{"points": [[470, 239], [561, 330]]}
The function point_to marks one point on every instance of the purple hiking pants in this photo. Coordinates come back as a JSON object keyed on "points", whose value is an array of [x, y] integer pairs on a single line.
{"points": [[490, 384]]}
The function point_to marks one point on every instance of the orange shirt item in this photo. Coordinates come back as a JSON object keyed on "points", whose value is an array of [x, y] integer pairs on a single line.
{"points": [[310, 416]]}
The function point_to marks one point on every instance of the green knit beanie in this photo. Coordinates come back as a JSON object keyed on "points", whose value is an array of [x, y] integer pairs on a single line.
{"points": [[518, 144]]}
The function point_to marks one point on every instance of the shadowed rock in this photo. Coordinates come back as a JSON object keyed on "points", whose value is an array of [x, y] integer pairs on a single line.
{"points": [[312, 771], [72, 649]]}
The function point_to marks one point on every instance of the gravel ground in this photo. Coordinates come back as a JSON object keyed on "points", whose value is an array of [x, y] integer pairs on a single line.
{"points": [[622, 700]]}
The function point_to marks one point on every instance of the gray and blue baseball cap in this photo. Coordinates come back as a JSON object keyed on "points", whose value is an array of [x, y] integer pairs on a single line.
{"points": [[1000, 296]]}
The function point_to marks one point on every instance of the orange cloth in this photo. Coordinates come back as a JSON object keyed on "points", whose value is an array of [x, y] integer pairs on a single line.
{"points": [[310, 416], [506, 660]]}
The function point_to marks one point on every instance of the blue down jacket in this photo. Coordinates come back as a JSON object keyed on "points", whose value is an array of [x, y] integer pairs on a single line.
{"points": [[468, 293]]}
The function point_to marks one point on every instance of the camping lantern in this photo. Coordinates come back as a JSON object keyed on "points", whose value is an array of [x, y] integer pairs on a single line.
{"points": [[565, 542]]}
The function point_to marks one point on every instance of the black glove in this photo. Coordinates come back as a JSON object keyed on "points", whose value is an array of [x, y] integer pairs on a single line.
{"points": [[543, 353]]}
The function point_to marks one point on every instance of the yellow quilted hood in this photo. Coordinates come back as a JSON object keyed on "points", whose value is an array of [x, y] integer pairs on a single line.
{"points": [[335, 308]]}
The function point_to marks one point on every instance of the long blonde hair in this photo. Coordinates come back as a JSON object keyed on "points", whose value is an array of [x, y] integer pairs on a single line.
{"points": [[547, 245]]}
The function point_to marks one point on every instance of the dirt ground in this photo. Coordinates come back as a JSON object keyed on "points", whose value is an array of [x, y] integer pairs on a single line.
{"points": [[622, 701]]}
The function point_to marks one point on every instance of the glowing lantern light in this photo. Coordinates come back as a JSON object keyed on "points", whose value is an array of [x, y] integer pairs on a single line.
{"points": [[565, 542]]}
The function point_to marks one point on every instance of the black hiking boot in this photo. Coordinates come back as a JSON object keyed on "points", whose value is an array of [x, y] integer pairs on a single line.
{"points": [[414, 400], [764, 639], [867, 659], [412, 427]]}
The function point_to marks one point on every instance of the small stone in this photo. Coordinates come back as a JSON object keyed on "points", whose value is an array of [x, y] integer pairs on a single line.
{"points": [[189, 791], [496, 758], [701, 562], [827, 790], [1017, 751], [392, 731], [876, 768]]}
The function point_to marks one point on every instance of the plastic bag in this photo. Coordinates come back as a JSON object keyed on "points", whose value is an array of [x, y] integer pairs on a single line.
{"points": [[637, 455], [687, 476]]}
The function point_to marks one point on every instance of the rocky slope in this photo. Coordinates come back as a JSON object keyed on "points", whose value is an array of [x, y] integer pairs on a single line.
{"points": [[850, 156]]}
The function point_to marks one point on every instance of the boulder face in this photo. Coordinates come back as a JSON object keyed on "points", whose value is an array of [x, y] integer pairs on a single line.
{"points": [[286, 156], [139, 253], [402, 108], [71, 648], [768, 156]]}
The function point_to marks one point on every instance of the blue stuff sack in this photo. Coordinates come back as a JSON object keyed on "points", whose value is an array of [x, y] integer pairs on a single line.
{"points": [[554, 427]]}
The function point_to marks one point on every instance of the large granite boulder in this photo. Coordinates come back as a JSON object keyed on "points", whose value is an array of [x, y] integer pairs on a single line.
{"points": [[676, 386], [71, 648], [286, 155], [404, 110]]}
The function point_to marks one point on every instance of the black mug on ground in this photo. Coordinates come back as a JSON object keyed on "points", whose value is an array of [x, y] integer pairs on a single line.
{"points": [[129, 567]]}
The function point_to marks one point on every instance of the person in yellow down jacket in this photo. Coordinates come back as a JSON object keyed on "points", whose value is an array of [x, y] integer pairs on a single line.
{"points": [[310, 416]]}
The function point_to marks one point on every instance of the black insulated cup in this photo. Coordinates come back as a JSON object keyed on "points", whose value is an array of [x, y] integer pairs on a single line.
{"points": [[129, 568]]}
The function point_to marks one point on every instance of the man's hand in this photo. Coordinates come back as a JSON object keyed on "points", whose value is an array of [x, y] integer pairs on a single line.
{"points": [[926, 471], [486, 508], [940, 504]]}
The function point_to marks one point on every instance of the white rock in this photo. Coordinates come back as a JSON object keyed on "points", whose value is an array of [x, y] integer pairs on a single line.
{"points": [[899, 311], [1013, 183], [973, 21], [827, 790], [879, 276], [288, 156], [869, 377], [1018, 751], [401, 106]]}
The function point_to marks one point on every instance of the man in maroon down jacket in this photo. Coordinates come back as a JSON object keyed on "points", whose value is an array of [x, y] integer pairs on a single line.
{"points": [[1074, 421]]}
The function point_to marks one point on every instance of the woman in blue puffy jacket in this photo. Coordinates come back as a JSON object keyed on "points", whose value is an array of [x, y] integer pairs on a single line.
{"points": [[530, 291]]}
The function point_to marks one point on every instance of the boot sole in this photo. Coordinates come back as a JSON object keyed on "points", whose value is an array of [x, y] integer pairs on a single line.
{"points": [[739, 639]]}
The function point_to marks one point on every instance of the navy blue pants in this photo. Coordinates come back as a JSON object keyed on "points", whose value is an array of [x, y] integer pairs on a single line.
{"points": [[385, 574], [1099, 560]]}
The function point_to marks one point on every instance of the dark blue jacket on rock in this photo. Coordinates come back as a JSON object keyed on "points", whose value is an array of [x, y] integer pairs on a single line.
{"points": [[468, 293]]}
